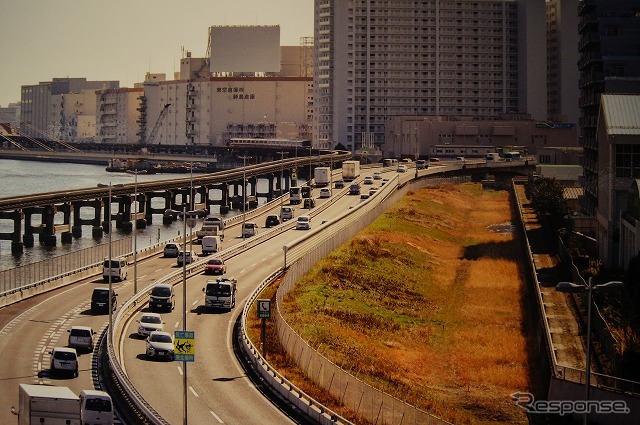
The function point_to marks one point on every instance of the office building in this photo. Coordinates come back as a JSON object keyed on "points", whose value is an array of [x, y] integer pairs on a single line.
{"points": [[37, 119]]}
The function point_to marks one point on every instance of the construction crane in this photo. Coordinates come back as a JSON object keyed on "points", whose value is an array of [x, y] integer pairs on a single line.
{"points": [[154, 131]]}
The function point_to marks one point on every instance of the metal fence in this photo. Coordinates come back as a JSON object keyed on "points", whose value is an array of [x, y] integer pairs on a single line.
{"points": [[368, 403], [29, 275]]}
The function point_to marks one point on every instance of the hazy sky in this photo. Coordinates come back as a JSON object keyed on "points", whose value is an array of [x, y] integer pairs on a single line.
{"points": [[123, 39]]}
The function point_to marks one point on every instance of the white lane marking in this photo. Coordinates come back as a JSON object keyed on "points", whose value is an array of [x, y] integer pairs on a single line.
{"points": [[177, 324], [43, 349], [180, 370], [193, 391], [216, 416], [142, 277], [195, 302], [159, 270], [242, 271]]}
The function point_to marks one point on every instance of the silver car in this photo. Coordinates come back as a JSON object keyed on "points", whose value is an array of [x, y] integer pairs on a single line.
{"points": [[64, 359], [160, 345], [81, 337], [148, 323]]}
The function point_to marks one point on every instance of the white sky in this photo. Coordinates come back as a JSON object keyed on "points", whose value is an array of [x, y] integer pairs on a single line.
{"points": [[123, 39]]}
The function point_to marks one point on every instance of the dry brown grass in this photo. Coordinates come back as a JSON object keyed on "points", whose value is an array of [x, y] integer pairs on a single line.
{"points": [[427, 301]]}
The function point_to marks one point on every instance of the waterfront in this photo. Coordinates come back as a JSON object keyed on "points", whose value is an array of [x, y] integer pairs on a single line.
{"points": [[31, 177]]}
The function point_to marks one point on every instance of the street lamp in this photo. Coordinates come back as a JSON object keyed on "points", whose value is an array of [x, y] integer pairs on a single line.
{"points": [[135, 234], [109, 227], [309, 181], [575, 288], [244, 191], [282, 153]]}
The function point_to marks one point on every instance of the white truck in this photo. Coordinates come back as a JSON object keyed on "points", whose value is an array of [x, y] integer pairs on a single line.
{"points": [[210, 230], [210, 244], [322, 176], [47, 404], [350, 170], [220, 293]]}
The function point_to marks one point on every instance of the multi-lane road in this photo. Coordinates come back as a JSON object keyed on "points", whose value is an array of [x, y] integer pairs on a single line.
{"points": [[219, 390]]}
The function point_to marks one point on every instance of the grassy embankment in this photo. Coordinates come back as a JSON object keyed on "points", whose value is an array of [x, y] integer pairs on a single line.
{"points": [[425, 303]]}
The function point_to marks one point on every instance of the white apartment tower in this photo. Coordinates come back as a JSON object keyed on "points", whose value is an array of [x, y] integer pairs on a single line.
{"points": [[380, 58], [117, 115]]}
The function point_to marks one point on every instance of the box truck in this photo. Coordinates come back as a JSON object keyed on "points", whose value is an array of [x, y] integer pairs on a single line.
{"points": [[322, 176], [47, 404], [350, 170]]}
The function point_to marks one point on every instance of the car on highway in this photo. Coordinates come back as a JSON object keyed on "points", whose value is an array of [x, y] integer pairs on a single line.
{"points": [[372, 191], [64, 359], [339, 184], [100, 300], [171, 250], [148, 323], [368, 180], [325, 192], [402, 168], [303, 222], [377, 175], [160, 345], [364, 197], [354, 189], [81, 337], [286, 213], [249, 229], [272, 220], [214, 221], [309, 203], [215, 266], [162, 297], [186, 257]]}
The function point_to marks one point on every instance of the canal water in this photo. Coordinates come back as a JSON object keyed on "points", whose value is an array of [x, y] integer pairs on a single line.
{"points": [[31, 177]]}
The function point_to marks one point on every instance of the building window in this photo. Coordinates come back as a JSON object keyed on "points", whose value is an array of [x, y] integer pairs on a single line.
{"points": [[627, 161]]}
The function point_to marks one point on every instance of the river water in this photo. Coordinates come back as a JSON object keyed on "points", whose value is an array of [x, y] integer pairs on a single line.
{"points": [[30, 177]]}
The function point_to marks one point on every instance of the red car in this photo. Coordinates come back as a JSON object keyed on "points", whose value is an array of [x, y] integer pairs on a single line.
{"points": [[215, 266]]}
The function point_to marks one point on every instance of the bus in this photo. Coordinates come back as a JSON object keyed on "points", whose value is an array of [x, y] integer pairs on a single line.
{"points": [[295, 195]]}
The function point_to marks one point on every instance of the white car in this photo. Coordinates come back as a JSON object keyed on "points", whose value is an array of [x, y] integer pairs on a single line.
{"points": [[368, 180], [377, 175], [160, 345], [187, 257], [149, 322], [215, 221], [402, 168], [81, 337], [303, 223], [325, 193], [249, 229], [64, 359]]}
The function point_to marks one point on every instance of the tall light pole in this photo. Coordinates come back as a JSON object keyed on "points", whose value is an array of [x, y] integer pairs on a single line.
{"points": [[135, 234], [184, 308], [244, 191], [282, 175], [309, 181], [612, 286], [110, 304]]}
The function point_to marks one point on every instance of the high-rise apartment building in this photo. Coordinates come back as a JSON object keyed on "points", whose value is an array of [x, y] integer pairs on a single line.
{"points": [[562, 61], [117, 115], [609, 51], [375, 59]]}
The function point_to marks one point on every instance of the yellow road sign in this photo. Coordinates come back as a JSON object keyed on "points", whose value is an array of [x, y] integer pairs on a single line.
{"points": [[184, 346]]}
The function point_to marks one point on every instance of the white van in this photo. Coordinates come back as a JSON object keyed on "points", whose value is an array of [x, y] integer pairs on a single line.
{"points": [[210, 244], [96, 407], [249, 229], [117, 270]]}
